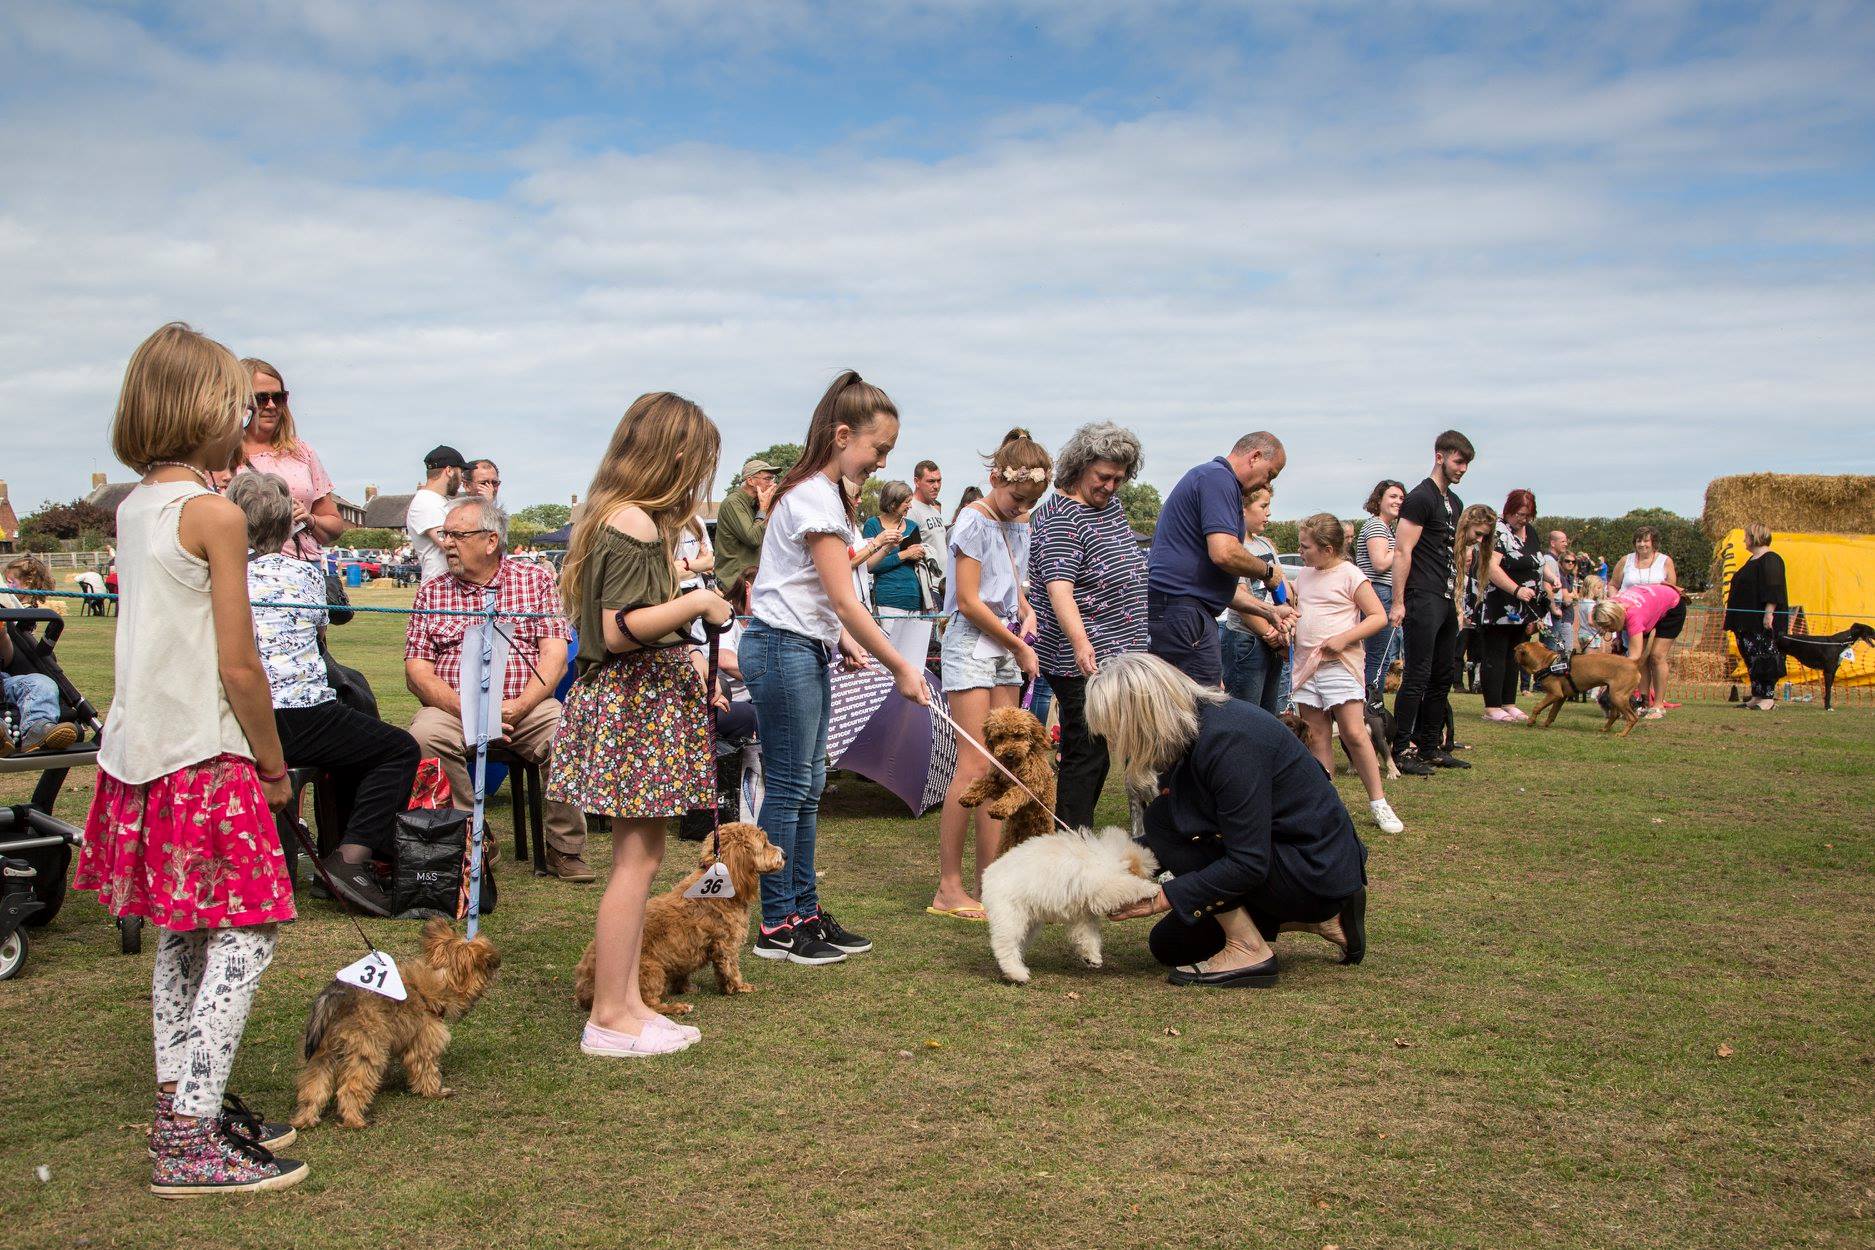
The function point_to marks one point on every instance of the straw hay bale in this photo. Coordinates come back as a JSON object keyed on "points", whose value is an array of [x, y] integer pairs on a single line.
{"points": [[1804, 503]]}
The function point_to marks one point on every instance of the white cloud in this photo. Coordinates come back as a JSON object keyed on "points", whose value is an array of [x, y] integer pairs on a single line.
{"points": [[1355, 262]]}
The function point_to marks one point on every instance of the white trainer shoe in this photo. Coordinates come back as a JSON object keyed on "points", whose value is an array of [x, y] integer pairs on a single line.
{"points": [[1384, 817]]}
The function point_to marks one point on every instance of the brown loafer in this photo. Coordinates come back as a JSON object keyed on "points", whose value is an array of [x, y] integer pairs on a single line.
{"points": [[569, 867]]}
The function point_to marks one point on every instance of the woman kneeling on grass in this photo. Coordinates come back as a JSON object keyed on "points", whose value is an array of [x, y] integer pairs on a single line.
{"points": [[1242, 815]]}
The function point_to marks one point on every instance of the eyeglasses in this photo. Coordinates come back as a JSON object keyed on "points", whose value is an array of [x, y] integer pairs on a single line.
{"points": [[459, 535], [270, 399]]}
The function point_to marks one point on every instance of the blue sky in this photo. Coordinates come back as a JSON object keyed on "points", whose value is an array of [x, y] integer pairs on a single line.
{"points": [[1625, 247]]}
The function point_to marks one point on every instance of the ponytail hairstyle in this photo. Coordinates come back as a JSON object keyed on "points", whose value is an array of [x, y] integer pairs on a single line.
{"points": [[851, 401], [662, 456], [1324, 530], [1018, 459]]}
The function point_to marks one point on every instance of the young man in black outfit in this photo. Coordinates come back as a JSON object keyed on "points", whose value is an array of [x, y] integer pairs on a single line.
{"points": [[1426, 612]]}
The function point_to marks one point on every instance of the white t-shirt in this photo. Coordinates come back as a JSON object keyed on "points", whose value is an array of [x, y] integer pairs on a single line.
{"points": [[1002, 548], [427, 511], [787, 593], [690, 545], [931, 525]]}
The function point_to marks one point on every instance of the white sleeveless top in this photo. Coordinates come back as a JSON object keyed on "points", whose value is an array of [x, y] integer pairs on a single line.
{"points": [[1655, 574], [169, 710]]}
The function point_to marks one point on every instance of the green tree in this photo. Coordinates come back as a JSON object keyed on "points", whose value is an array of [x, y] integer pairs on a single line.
{"points": [[549, 516], [522, 530], [1141, 502], [69, 520], [869, 497], [366, 539], [1610, 538]]}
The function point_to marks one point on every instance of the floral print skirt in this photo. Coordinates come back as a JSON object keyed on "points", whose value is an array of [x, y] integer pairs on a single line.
{"points": [[194, 849], [634, 739]]}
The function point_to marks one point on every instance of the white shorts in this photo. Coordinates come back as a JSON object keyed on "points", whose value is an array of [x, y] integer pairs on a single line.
{"points": [[1329, 686]]}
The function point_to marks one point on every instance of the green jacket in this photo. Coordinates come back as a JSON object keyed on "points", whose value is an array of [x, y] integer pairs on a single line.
{"points": [[739, 534]]}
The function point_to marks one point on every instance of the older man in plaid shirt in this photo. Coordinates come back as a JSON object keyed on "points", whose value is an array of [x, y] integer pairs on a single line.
{"points": [[527, 604]]}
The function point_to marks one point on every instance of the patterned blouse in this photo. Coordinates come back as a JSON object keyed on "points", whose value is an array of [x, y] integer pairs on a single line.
{"points": [[1523, 564], [1098, 552], [289, 637]]}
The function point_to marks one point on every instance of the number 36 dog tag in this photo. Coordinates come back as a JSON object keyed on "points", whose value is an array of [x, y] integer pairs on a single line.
{"points": [[376, 972], [714, 883]]}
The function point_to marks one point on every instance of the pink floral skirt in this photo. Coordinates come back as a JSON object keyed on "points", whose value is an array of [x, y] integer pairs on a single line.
{"points": [[196, 849]]}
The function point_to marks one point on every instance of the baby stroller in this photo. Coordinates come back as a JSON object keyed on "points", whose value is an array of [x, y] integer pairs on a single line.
{"points": [[36, 846]]}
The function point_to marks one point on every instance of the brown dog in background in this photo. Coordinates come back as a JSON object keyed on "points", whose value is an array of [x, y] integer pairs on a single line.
{"points": [[353, 1035], [683, 934], [1562, 677], [1021, 745]]}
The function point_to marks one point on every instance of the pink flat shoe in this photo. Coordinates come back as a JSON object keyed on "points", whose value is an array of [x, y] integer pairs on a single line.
{"points": [[1496, 714], [610, 1045], [689, 1032], [1516, 714]]}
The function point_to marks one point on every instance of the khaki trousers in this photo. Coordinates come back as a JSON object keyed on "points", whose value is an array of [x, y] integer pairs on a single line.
{"points": [[440, 734]]}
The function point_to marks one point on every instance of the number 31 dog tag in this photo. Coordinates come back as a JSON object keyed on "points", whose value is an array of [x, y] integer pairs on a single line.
{"points": [[376, 972], [714, 883]]}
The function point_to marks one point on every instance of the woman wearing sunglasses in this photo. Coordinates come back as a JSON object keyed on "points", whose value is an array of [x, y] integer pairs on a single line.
{"points": [[271, 446]]}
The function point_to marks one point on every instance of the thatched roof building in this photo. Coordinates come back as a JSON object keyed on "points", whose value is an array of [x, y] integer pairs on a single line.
{"points": [[1807, 503]]}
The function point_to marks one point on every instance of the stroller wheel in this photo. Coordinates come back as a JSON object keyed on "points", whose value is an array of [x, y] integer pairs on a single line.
{"points": [[130, 934], [13, 954]]}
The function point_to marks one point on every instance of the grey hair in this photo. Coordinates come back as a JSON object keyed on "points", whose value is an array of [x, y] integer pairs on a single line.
{"points": [[268, 504], [892, 497], [489, 514], [1259, 441], [1147, 711], [1098, 440]]}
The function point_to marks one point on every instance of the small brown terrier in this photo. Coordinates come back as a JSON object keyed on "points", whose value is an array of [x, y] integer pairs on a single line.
{"points": [[682, 934], [1562, 677], [1021, 745], [353, 1036]]}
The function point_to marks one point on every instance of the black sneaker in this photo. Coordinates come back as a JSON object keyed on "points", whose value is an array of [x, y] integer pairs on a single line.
{"points": [[356, 884], [839, 935], [1445, 759], [1409, 763], [774, 943], [811, 945]]}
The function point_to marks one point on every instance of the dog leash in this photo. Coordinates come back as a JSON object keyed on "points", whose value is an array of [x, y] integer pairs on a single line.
{"points": [[312, 853], [937, 709], [714, 636]]}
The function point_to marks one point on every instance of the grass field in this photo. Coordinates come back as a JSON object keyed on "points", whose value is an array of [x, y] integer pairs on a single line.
{"points": [[1618, 994]]}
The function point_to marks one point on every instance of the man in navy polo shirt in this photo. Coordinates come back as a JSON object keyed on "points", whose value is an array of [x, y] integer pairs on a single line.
{"points": [[1198, 556]]}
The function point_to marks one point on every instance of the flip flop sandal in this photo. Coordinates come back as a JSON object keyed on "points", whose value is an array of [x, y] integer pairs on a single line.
{"points": [[973, 913]]}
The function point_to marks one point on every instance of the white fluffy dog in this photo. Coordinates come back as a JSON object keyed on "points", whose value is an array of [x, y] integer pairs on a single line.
{"points": [[1069, 878]]}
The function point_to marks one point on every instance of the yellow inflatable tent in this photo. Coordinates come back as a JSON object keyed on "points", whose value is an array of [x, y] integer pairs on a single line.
{"points": [[1832, 578]]}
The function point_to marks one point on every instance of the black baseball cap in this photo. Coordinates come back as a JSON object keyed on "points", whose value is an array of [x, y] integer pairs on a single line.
{"points": [[444, 458]]}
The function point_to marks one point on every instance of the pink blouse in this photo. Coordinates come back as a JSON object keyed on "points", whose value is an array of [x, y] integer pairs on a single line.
{"points": [[1325, 607], [306, 478]]}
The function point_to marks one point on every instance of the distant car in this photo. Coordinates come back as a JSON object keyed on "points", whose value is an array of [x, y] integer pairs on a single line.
{"points": [[1289, 560], [337, 558]]}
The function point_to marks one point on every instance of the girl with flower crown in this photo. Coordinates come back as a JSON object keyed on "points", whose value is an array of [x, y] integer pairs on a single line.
{"points": [[987, 650]]}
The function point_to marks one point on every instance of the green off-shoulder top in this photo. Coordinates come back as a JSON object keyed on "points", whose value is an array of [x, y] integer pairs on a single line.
{"points": [[621, 572]]}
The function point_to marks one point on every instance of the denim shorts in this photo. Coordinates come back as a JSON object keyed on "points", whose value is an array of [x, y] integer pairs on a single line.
{"points": [[963, 670]]}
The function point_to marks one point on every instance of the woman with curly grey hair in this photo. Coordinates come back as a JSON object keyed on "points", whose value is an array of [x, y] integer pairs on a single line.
{"points": [[1087, 583]]}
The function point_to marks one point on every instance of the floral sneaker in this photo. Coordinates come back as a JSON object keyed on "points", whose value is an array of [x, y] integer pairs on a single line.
{"points": [[234, 1117], [199, 1157]]}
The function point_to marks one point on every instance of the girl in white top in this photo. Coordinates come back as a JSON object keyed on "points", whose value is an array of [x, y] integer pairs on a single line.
{"points": [[805, 610], [180, 831], [987, 651]]}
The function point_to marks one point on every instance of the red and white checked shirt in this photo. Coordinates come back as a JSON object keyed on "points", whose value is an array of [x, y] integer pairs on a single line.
{"points": [[520, 586]]}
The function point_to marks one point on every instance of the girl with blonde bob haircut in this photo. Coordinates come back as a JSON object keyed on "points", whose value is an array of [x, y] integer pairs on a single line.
{"points": [[1252, 829], [634, 736], [180, 832]]}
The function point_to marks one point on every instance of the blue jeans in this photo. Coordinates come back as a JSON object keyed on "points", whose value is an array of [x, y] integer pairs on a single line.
{"points": [[1383, 648], [788, 681], [1252, 672], [36, 696], [1043, 699]]}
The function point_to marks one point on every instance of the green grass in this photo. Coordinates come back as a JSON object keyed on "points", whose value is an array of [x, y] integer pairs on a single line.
{"points": [[1562, 941]]}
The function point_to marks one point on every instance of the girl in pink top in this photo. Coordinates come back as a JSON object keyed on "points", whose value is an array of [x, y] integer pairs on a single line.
{"points": [[1338, 610]]}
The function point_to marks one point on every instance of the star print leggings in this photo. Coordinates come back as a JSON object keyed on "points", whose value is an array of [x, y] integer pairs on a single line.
{"points": [[199, 998]]}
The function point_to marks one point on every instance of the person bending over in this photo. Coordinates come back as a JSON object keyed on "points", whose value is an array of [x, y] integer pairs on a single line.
{"points": [[1242, 815]]}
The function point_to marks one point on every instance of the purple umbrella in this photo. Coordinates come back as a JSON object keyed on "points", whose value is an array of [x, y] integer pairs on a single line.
{"points": [[881, 735]]}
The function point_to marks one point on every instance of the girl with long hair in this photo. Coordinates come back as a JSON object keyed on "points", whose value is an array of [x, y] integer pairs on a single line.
{"points": [[806, 611], [989, 622], [1471, 553], [634, 738]]}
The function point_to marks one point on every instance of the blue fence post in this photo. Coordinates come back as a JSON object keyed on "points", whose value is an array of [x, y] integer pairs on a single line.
{"points": [[480, 713]]}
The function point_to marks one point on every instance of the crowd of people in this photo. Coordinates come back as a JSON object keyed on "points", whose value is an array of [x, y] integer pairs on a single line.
{"points": [[1164, 663]]}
